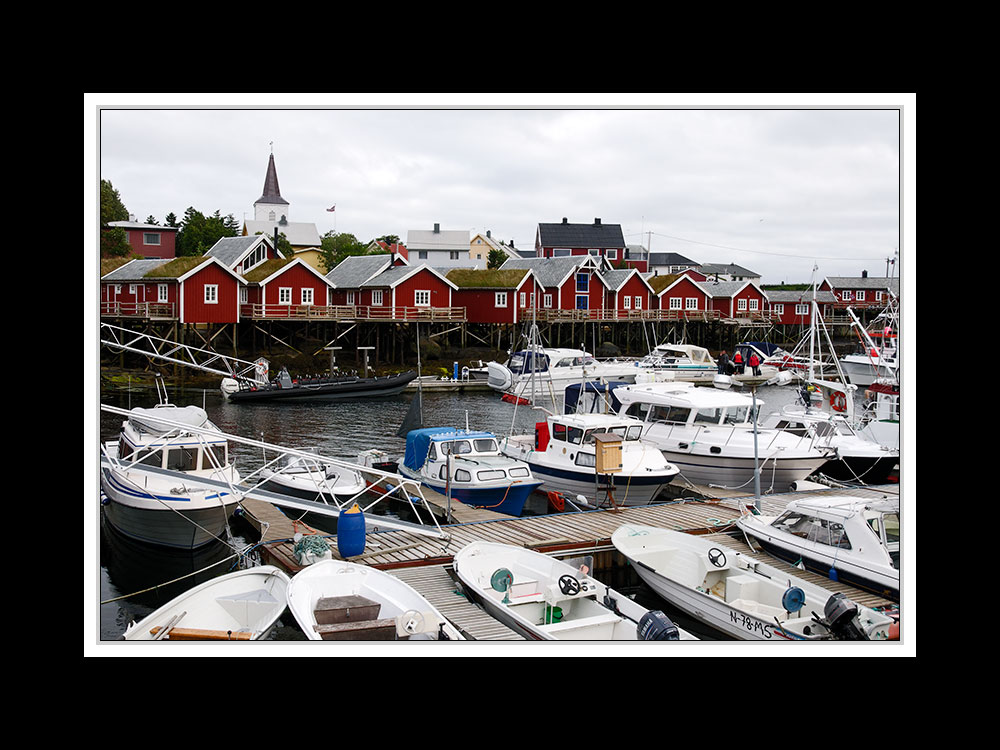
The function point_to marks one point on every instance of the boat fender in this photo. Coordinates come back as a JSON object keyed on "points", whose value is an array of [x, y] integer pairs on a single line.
{"points": [[793, 599], [656, 626]]}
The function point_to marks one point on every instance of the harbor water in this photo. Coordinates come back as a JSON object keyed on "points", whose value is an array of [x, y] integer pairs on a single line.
{"points": [[135, 579]]}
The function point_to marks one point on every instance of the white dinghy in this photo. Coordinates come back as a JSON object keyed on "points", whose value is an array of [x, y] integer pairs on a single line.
{"points": [[739, 596], [547, 599], [857, 541], [333, 600], [240, 606]]}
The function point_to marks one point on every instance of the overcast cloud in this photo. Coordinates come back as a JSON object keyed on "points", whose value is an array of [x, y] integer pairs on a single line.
{"points": [[774, 190]]}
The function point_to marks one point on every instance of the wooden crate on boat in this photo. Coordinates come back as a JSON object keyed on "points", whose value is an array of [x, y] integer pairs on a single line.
{"points": [[364, 630], [331, 610]]}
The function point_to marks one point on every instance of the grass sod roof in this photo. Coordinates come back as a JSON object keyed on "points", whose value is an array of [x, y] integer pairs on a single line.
{"points": [[265, 269], [487, 278], [174, 269], [659, 283]]}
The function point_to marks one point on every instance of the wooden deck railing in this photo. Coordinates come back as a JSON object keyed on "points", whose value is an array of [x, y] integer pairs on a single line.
{"points": [[165, 310], [351, 312]]}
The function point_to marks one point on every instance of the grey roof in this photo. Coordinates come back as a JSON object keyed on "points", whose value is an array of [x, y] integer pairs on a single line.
{"points": [[864, 282], [794, 297], [134, 270], [670, 259], [615, 278], [398, 273], [355, 270], [229, 250], [548, 271], [596, 234], [728, 269], [721, 288], [141, 225], [428, 239], [298, 233]]}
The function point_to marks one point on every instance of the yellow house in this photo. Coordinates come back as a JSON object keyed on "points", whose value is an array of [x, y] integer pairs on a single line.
{"points": [[482, 244]]}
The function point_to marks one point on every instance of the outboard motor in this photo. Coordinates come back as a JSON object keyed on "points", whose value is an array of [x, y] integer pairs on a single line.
{"points": [[841, 616], [656, 626]]}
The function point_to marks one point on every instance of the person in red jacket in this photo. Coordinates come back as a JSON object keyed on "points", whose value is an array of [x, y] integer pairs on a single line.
{"points": [[755, 364], [738, 361]]}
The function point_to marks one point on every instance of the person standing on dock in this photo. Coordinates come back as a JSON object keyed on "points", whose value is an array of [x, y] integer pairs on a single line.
{"points": [[738, 362], [755, 364], [723, 363]]}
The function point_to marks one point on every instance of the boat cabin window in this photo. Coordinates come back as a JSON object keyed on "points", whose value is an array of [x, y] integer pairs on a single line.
{"points": [[586, 459], [795, 428], [566, 433], [456, 447], [461, 475], [626, 432], [182, 459], [569, 362], [485, 445], [488, 474], [814, 529], [736, 414], [708, 416], [887, 523], [518, 471], [215, 457], [638, 410], [669, 414]]}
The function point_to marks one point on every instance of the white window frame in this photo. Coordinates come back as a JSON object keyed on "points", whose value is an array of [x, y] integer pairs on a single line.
{"points": [[547, 300], [376, 296], [524, 299], [638, 303], [421, 294], [778, 309], [690, 303], [754, 305], [132, 288], [500, 299], [350, 298], [284, 295], [676, 303], [161, 292], [244, 295], [741, 304], [627, 302], [306, 295], [860, 296], [150, 238], [611, 253], [211, 294], [802, 308]]}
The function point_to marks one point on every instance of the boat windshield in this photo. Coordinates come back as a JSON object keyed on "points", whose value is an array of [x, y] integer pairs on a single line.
{"points": [[567, 433], [182, 459], [455, 447], [626, 432], [671, 414], [485, 445], [820, 530]]}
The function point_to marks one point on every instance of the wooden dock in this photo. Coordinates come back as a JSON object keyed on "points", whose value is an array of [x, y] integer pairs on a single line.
{"points": [[425, 562]]}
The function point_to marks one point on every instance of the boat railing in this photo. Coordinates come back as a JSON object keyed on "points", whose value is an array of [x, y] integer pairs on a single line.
{"points": [[693, 433], [396, 486]]}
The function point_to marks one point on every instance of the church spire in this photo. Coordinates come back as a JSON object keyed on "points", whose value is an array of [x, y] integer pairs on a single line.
{"points": [[271, 195]]}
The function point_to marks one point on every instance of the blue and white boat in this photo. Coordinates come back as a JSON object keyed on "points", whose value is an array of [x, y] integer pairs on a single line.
{"points": [[469, 466]]}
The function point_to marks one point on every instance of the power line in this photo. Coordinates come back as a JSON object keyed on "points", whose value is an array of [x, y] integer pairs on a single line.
{"points": [[744, 250]]}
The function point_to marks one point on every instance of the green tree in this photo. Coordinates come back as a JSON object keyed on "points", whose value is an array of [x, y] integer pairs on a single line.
{"points": [[112, 208], [171, 220], [496, 258], [114, 244], [198, 233], [151, 220], [335, 246], [283, 244]]}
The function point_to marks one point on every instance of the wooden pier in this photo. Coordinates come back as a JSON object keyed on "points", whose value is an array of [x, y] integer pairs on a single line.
{"points": [[425, 562]]}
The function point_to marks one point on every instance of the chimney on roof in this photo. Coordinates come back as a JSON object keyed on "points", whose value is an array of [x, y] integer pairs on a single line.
{"points": [[487, 233], [597, 222], [564, 221], [864, 274], [437, 229]]}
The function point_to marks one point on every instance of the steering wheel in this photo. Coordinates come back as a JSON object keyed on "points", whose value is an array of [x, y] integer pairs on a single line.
{"points": [[717, 557], [412, 621], [569, 585]]}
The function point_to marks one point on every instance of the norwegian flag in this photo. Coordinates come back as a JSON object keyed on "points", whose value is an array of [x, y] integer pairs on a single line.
{"points": [[332, 208]]}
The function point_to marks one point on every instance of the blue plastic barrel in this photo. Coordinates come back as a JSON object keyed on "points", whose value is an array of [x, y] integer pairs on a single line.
{"points": [[351, 532]]}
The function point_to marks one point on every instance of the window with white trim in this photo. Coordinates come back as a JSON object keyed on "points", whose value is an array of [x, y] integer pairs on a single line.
{"points": [[860, 296], [376, 296], [500, 299], [778, 309], [422, 298], [307, 295], [802, 309], [547, 300], [211, 294], [350, 298], [150, 238], [675, 303], [284, 295], [741, 304], [244, 295], [132, 289], [638, 303], [524, 299], [161, 292], [611, 253], [627, 302], [754, 305], [690, 303]]}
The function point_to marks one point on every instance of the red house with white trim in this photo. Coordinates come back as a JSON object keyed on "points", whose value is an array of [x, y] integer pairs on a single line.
{"points": [[735, 299], [569, 282], [626, 292], [405, 286], [678, 293], [492, 295], [284, 286]]}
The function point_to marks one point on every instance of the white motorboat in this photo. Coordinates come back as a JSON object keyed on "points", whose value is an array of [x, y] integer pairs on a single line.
{"points": [[876, 355], [541, 372], [676, 361], [302, 476], [855, 540], [563, 453], [858, 458], [334, 600], [240, 606], [880, 413], [742, 597], [168, 479], [709, 435], [547, 599], [468, 466]]}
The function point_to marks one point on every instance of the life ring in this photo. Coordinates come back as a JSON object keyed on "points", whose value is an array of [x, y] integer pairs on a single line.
{"points": [[838, 401]]}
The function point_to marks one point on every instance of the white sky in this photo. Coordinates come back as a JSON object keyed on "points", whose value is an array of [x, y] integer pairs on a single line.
{"points": [[776, 190]]}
